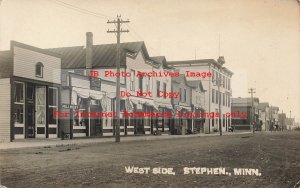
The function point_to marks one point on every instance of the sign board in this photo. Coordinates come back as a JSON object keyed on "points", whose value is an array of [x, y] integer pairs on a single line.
{"points": [[69, 106]]}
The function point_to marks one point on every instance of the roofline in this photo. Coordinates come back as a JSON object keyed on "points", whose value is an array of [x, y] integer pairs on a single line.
{"points": [[201, 62], [33, 48]]}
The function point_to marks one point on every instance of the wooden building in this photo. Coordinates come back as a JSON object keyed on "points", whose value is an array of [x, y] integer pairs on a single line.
{"points": [[30, 80]]}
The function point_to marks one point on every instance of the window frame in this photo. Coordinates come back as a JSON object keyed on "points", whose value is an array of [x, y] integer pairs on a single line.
{"points": [[165, 89], [53, 106], [39, 66], [16, 123], [157, 88], [213, 96], [132, 79]]}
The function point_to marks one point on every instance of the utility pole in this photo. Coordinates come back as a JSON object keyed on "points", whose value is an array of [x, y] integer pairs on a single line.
{"points": [[251, 91], [118, 32], [291, 119], [281, 120]]}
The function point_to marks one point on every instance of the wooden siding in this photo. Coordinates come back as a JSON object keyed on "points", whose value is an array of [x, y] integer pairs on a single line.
{"points": [[25, 61], [5, 110]]}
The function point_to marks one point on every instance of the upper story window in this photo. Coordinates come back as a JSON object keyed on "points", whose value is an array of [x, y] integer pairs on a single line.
{"points": [[213, 96], [157, 88], [39, 70], [141, 84], [132, 80], [180, 94], [165, 90], [147, 84]]}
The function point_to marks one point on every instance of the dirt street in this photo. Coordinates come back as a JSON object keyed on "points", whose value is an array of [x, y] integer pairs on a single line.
{"points": [[276, 156]]}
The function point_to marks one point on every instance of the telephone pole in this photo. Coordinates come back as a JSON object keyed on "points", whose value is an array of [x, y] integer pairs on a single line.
{"points": [[281, 120], [118, 32], [252, 91]]}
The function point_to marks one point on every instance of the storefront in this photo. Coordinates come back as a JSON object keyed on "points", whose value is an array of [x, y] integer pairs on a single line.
{"points": [[182, 123], [142, 125], [30, 82], [34, 107], [198, 122], [164, 123], [89, 117]]}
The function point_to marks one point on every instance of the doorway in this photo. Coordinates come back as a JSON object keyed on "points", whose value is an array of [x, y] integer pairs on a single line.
{"points": [[30, 111]]}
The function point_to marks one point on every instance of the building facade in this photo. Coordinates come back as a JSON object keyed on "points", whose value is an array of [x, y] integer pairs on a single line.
{"points": [[249, 118], [182, 105], [209, 71], [264, 116], [30, 80]]}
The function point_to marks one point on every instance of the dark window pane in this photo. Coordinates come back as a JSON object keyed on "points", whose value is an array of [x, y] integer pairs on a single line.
{"points": [[19, 113], [52, 99], [51, 118], [19, 92]]}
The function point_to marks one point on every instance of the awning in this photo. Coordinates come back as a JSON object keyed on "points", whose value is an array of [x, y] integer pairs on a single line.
{"points": [[128, 105], [85, 93], [96, 95], [140, 100], [104, 102], [112, 95], [164, 105], [179, 107], [82, 93]]}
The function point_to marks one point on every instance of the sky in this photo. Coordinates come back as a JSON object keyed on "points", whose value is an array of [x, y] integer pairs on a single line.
{"points": [[260, 39]]}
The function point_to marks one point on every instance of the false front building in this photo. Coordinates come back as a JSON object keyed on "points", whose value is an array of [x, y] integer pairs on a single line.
{"points": [[141, 92], [30, 87], [244, 106]]}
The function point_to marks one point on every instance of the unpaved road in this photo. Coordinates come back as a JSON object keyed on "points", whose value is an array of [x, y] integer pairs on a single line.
{"points": [[276, 155]]}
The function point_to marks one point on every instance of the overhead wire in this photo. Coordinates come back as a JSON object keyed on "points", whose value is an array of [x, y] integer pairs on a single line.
{"points": [[82, 10]]}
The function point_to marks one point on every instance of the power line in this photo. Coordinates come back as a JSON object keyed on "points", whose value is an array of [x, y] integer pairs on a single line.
{"points": [[139, 37], [81, 10]]}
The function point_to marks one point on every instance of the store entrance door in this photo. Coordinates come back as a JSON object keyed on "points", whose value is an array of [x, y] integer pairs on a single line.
{"points": [[96, 122], [30, 112]]}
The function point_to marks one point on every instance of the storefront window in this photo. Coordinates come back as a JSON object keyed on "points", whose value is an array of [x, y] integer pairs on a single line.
{"points": [[83, 107], [40, 105], [19, 114], [53, 104], [19, 103], [19, 92]]}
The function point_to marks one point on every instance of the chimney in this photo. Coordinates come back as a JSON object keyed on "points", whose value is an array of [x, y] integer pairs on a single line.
{"points": [[221, 60], [89, 52]]}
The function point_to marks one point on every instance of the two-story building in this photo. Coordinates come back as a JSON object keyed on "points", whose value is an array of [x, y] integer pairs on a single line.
{"points": [[282, 121], [264, 115], [209, 71], [30, 80], [161, 93], [139, 81], [274, 110], [182, 105], [198, 105]]}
